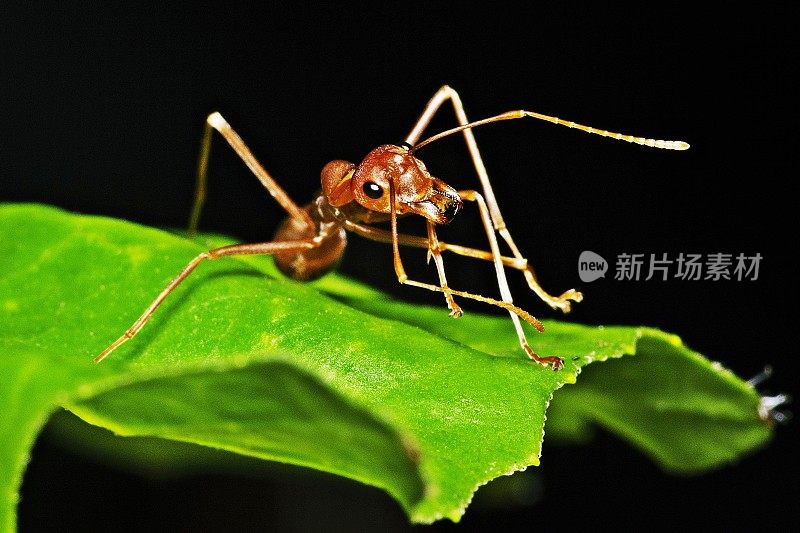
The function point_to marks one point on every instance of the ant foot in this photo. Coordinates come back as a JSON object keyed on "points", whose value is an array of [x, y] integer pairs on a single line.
{"points": [[557, 362], [563, 301]]}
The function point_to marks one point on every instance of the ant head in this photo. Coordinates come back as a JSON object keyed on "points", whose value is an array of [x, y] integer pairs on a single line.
{"points": [[416, 191]]}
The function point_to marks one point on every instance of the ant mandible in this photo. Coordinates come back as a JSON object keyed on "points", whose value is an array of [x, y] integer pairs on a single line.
{"points": [[389, 183]]}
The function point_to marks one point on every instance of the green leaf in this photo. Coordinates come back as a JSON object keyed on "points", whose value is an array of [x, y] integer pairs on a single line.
{"points": [[333, 375]]}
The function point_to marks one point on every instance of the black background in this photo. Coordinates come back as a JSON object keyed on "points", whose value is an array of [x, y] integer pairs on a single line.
{"points": [[103, 109]]}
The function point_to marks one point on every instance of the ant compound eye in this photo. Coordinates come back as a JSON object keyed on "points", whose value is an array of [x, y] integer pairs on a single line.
{"points": [[372, 190]]}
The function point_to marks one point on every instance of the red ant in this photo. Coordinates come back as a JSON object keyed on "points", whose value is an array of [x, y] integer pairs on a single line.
{"points": [[389, 183]]}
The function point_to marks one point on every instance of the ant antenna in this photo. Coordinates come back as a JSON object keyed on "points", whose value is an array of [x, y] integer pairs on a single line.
{"points": [[521, 113]]}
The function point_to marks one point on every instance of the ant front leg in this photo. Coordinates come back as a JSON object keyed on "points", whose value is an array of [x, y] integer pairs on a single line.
{"points": [[261, 248], [562, 302], [515, 312], [435, 252]]}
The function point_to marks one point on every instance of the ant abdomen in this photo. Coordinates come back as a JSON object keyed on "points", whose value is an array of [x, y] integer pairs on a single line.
{"points": [[308, 265]]}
